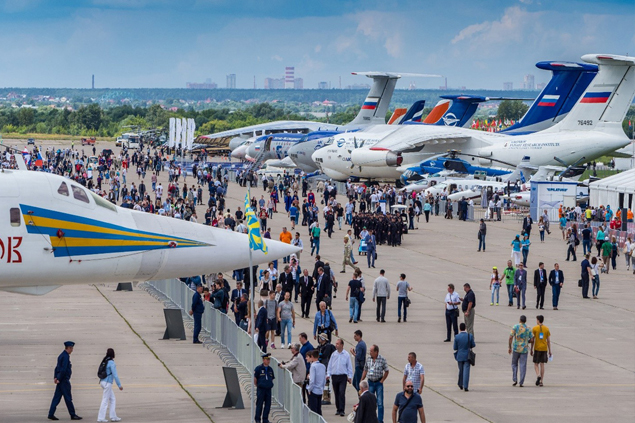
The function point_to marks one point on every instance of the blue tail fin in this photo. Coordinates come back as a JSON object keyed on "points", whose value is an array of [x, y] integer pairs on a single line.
{"points": [[461, 111], [563, 91], [415, 112]]}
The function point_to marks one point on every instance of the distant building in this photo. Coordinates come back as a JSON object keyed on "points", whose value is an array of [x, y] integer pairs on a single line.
{"points": [[298, 84], [528, 82], [508, 86], [541, 86], [289, 77], [274, 83], [358, 87], [323, 85], [207, 85], [231, 80]]}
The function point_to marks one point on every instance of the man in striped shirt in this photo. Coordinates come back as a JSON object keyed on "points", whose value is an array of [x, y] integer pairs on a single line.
{"points": [[376, 369], [414, 373]]}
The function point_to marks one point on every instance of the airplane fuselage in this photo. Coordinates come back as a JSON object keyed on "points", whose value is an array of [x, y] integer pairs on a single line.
{"points": [[56, 232]]}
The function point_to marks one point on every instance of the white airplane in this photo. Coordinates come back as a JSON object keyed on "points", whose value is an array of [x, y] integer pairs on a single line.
{"points": [[372, 112], [590, 130], [56, 232]]}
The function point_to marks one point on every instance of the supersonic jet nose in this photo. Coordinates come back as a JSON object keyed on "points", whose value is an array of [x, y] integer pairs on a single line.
{"points": [[202, 249]]}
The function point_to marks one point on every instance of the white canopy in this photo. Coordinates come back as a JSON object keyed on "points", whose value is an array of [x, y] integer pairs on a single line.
{"points": [[616, 191]]}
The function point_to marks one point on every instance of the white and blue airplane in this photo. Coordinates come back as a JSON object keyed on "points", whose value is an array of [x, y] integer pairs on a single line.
{"points": [[410, 144], [56, 232]]}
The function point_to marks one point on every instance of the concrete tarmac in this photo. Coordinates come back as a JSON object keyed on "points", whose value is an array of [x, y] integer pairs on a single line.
{"points": [[592, 376]]}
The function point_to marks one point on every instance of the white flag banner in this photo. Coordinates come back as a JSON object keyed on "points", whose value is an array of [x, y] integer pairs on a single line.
{"points": [[191, 129], [177, 132], [184, 133], [172, 131]]}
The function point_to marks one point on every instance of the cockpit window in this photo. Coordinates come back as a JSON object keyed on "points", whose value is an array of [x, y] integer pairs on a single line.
{"points": [[63, 189], [100, 201], [79, 194]]}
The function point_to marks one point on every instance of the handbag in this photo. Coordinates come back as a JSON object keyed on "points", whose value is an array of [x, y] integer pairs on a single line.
{"points": [[361, 297], [351, 417], [471, 355], [407, 302], [579, 283]]}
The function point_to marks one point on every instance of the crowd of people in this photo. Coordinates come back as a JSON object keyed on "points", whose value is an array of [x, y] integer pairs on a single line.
{"points": [[323, 371]]}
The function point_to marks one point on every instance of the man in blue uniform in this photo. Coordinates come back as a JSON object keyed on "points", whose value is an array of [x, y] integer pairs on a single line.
{"points": [[62, 381], [263, 379], [197, 312]]}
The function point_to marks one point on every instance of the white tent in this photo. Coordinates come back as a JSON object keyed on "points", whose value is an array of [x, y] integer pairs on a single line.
{"points": [[616, 191], [172, 132]]}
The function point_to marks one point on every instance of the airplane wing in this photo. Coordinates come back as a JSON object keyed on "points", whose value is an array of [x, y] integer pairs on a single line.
{"points": [[266, 128], [415, 137]]}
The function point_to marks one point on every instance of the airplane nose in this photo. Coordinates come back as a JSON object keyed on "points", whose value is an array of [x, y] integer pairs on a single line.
{"points": [[239, 152], [235, 143]]}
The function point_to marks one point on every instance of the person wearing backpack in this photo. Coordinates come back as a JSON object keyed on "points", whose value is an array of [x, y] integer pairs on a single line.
{"points": [[107, 373]]}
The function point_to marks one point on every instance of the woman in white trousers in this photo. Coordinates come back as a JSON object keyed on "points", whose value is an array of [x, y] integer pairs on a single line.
{"points": [[108, 398]]}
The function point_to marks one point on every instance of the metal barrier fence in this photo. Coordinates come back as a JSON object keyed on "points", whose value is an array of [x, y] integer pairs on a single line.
{"points": [[225, 331]]}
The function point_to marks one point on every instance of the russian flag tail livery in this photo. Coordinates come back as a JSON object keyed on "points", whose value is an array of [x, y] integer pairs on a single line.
{"points": [[370, 103], [375, 106], [568, 82], [548, 101], [397, 116], [601, 97], [415, 113], [607, 98]]}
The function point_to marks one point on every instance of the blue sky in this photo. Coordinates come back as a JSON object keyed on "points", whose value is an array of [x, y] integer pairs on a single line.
{"points": [[166, 43]]}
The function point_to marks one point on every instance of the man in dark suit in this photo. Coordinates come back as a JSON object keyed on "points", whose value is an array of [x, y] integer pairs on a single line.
{"points": [[318, 263], [198, 308], [366, 409], [261, 326], [527, 222], [286, 280], [235, 299], [540, 283], [556, 279], [306, 293], [322, 283], [62, 379], [462, 344]]}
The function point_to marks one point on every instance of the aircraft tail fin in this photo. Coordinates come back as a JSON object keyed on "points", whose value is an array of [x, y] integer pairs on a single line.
{"points": [[415, 113], [568, 81], [397, 116], [608, 97], [461, 111], [375, 105], [437, 112]]}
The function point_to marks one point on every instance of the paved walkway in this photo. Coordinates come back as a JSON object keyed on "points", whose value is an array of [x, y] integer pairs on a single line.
{"points": [[592, 375], [163, 381]]}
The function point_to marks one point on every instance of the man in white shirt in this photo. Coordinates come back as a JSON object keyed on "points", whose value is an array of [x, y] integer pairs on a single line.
{"points": [[317, 380], [340, 371], [452, 302]]}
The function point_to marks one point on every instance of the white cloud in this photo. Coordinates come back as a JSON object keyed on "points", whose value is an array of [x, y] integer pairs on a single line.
{"points": [[509, 28], [276, 58], [318, 48]]}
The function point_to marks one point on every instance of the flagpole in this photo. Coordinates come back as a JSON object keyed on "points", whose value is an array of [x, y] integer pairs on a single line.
{"points": [[252, 324]]}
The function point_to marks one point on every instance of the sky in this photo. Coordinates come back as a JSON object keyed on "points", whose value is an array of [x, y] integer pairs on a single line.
{"points": [[166, 43]]}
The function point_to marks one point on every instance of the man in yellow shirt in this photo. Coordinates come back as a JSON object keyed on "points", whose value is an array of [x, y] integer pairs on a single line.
{"points": [[540, 348], [285, 236]]}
